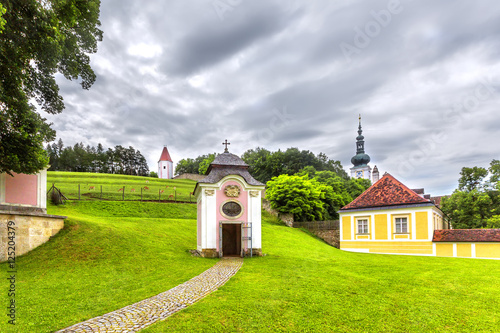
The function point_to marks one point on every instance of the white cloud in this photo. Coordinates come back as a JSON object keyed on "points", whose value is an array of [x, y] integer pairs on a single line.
{"points": [[174, 73]]}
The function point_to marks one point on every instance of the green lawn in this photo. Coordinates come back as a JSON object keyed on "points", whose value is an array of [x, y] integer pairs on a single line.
{"points": [[109, 255], [112, 254], [112, 186], [304, 285]]}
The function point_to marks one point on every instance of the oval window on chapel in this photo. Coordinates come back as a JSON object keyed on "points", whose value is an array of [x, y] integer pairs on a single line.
{"points": [[232, 209]]}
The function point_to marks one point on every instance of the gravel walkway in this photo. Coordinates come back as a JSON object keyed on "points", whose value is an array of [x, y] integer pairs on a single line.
{"points": [[137, 316]]}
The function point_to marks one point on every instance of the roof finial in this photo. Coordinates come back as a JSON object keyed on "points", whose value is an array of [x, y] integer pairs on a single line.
{"points": [[226, 143]]}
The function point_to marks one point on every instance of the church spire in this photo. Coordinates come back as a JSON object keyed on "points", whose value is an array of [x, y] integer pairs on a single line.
{"points": [[360, 158], [360, 143]]}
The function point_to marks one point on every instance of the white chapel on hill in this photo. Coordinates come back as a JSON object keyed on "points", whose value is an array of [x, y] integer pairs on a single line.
{"points": [[165, 165]]}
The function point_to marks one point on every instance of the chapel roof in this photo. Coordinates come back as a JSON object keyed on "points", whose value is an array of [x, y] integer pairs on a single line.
{"points": [[466, 235], [165, 156], [217, 174], [387, 191], [226, 164], [227, 159]]}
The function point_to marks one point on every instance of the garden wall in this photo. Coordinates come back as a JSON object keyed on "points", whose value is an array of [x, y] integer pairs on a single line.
{"points": [[285, 217], [28, 229]]}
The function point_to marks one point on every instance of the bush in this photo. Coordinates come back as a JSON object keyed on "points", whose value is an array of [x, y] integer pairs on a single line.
{"points": [[298, 195]]}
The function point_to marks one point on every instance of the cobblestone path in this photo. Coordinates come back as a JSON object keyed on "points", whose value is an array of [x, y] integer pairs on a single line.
{"points": [[137, 316]]}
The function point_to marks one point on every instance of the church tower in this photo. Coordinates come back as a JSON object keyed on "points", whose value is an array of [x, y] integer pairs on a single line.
{"points": [[361, 169], [165, 165]]}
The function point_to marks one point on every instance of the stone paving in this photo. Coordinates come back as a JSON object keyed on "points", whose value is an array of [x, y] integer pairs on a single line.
{"points": [[137, 316]]}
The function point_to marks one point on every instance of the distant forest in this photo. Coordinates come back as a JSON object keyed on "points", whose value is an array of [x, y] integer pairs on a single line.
{"points": [[264, 164], [80, 158]]}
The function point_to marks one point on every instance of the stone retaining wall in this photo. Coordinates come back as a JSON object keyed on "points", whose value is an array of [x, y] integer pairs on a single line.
{"points": [[332, 237], [285, 217], [31, 230]]}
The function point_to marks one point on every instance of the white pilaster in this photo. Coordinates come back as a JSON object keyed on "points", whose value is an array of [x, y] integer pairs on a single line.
{"points": [[212, 223], [254, 216]]}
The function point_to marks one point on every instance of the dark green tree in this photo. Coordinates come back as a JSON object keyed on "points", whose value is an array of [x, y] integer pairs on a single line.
{"points": [[468, 209], [472, 179], [356, 186], [202, 169], [476, 202], [39, 39]]}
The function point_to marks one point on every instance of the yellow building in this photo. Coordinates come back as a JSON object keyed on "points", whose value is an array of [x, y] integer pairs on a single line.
{"points": [[390, 218]]}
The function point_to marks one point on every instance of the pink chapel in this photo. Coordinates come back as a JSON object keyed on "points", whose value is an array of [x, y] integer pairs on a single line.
{"points": [[229, 209]]}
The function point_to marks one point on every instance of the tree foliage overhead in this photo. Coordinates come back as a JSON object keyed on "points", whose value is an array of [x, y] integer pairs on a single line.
{"points": [[476, 202], [39, 39]]}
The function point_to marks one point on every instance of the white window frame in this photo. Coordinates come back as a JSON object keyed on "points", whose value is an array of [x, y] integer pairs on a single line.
{"points": [[364, 223], [401, 223]]}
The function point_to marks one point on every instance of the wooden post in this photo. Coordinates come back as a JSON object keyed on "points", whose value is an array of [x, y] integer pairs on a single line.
{"points": [[175, 198], [141, 193], [78, 191], [101, 192], [123, 193]]}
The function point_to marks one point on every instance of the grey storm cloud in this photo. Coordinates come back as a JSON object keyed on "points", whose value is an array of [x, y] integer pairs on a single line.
{"points": [[277, 74]]}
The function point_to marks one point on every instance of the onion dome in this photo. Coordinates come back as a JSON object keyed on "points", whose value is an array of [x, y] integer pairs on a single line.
{"points": [[360, 159]]}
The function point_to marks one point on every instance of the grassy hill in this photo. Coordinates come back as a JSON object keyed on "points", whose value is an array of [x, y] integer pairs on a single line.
{"points": [[112, 254], [116, 187]]}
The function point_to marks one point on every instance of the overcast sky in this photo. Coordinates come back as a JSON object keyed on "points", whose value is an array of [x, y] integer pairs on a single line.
{"points": [[424, 75]]}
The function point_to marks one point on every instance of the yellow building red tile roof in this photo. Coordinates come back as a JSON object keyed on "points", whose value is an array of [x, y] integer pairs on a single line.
{"points": [[388, 191]]}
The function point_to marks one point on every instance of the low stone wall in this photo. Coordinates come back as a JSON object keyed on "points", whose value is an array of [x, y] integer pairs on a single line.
{"points": [[318, 225], [31, 230], [285, 217], [332, 237]]}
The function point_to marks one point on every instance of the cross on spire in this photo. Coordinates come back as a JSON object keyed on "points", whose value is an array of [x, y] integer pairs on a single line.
{"points": [[226, 143]]}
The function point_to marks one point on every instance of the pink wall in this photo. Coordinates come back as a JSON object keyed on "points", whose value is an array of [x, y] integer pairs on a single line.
{"points": [[221, 197], [21, 189]]}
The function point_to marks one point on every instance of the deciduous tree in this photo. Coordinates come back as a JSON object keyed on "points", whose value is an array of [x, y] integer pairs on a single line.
{"points": [[39, 39], [297, 195]]}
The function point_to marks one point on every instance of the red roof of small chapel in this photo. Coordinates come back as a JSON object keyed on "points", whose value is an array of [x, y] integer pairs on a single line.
{"points": [[165, 156], [388, 191]]}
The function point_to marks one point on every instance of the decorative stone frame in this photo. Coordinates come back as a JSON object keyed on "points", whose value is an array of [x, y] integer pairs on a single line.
{"points": [[232, 217]]}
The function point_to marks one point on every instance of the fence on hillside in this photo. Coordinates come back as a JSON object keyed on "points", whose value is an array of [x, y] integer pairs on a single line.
{"points": [[126, 193]]}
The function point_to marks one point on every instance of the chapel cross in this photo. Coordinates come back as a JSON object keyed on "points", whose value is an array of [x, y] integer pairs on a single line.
{"points": [[226, 143]]}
